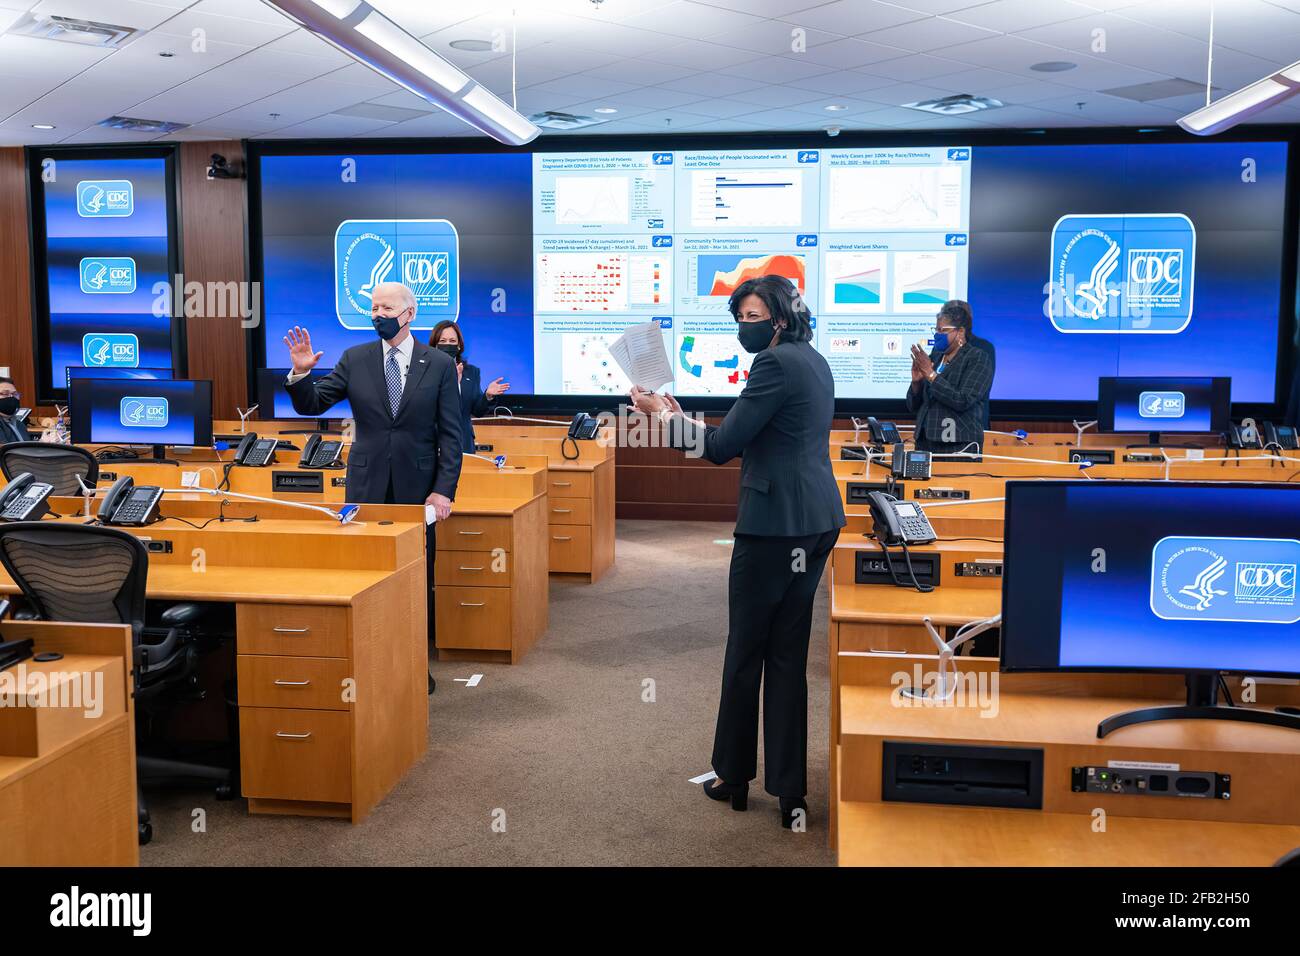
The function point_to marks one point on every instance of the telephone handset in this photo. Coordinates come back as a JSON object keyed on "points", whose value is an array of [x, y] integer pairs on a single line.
{"points": [[1280, 436], [883, 433], [913, 464], [317, 453], [125, 504], [583, 427], [25, 499], [255, 452], [898, 522]]}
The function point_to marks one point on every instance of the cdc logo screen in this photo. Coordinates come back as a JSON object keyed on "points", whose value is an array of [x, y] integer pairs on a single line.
{"points": [[1122, 273], [135, 411], [110, 350], [422, 254], [1162, 404], [107, 274], [105, 198], [1246, 580]]}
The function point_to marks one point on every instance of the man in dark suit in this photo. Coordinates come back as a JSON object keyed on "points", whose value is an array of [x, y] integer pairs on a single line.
{"points": [[404, 401]]}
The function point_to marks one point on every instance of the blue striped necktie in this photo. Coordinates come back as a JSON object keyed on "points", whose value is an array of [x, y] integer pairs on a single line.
{"points": [[394, 376]]}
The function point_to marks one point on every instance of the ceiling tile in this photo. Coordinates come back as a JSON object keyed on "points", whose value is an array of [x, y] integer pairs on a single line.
{"points": [[923, 36], [775, 69], [1012, 16], [849, 54], [700, 55], [713, 84]]}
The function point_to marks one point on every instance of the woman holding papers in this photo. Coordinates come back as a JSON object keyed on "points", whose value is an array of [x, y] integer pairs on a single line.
{"points": [[789, 518]]}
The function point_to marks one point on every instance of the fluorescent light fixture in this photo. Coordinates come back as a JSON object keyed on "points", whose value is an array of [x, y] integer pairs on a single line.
{"points": [[1228, 111], [42, 126], [369, 37]]}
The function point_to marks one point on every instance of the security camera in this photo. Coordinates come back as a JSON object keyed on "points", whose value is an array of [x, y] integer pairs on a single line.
{"points": [[832, 131], [220, 168]]}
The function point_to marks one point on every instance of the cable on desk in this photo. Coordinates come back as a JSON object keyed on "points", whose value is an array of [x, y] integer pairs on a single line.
{"points": [[163, 517], [576, 453], [990, 540], [889, 564]]}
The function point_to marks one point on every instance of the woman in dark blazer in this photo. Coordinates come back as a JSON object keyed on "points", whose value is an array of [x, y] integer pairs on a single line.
{"points": [[474, 399], [950, 394], [789, 518]]}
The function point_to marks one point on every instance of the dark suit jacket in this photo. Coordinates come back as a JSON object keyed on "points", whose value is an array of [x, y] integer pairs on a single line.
{"points": [[780, 426], [958, 394], [978, 343], [420, 446], [472, 402]]}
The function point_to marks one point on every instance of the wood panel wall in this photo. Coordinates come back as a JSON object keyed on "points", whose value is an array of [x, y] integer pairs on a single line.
{"points": [[660, 483], [213, 235], [16, 274]]}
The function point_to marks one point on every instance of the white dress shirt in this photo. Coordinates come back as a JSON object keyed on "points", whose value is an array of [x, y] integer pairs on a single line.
{"points": [[404, 352]]}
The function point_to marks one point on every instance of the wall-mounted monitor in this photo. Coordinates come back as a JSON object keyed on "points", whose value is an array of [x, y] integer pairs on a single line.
{"points": [[104, 241], [1170, 405], [114, 412], [1079, 261]]}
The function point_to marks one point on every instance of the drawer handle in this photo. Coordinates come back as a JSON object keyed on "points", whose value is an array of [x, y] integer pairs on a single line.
{"points": [[463, 568], [292, 683], [471, 604], [470, 533], [291, 630], [562, 484], [562, 511], [281, 733], [557, 537]]}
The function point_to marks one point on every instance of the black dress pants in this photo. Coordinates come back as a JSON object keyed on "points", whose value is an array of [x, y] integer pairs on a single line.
{"points": [[770, 595]]}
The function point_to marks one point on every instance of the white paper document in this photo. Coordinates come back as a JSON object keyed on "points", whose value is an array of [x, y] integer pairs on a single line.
{"points": [[430, 515], [641, 354]]}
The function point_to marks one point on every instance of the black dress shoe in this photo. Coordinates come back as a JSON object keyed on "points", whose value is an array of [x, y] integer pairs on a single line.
{"points": [[788, 809], [737, 793], [433, 684]]}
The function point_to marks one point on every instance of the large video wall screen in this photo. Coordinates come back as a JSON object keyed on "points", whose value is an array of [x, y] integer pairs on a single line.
{"points": [[1078, 261]]}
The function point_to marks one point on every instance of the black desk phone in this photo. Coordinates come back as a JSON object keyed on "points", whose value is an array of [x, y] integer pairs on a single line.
{"points": [[255, 452], [318, 453], [125, 504], [883, 433], [898, 522], [911, 464], [25, 499]]}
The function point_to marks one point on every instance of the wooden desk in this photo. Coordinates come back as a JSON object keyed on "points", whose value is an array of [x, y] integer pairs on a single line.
{"points": [[331, 639], [581, 492], [67, 774]]}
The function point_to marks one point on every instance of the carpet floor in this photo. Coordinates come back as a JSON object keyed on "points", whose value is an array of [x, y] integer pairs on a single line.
{"points": [[558, 760]]}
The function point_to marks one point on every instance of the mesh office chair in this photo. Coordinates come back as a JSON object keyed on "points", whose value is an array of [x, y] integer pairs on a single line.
{"points": [[57, 465], [97, 575]]}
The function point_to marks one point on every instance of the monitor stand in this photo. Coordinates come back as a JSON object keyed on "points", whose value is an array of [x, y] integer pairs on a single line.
{"points": [[322, 428], [159, 457], [1153, 441], [1202, 704]]}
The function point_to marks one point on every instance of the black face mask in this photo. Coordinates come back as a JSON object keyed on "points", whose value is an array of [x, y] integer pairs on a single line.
{"points": [[754, 336], [386, 327], [8, 405], [452, 350]]}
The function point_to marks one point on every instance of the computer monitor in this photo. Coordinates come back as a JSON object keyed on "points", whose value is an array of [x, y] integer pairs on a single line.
{"points": [[274, 402], [1168, 405], [77, 372], [1197, 578], [157, 413]]}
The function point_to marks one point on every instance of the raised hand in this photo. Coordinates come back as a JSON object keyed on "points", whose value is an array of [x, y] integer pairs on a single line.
{"points": [[300, 352], [496, 387]]}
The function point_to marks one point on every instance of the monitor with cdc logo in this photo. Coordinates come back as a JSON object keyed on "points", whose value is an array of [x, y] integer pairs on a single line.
{"points": [[1186, 577], [1163, 404], [141, 412], [104, 255]]}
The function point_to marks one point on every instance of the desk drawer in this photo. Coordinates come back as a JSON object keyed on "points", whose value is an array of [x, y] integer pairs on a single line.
{"points": [[896, 638], [570, 548], [287, 754], [310, 683], [471, 569], [292, 630], [570, 510], [568, 484], [473, 618], [468, 533]]}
